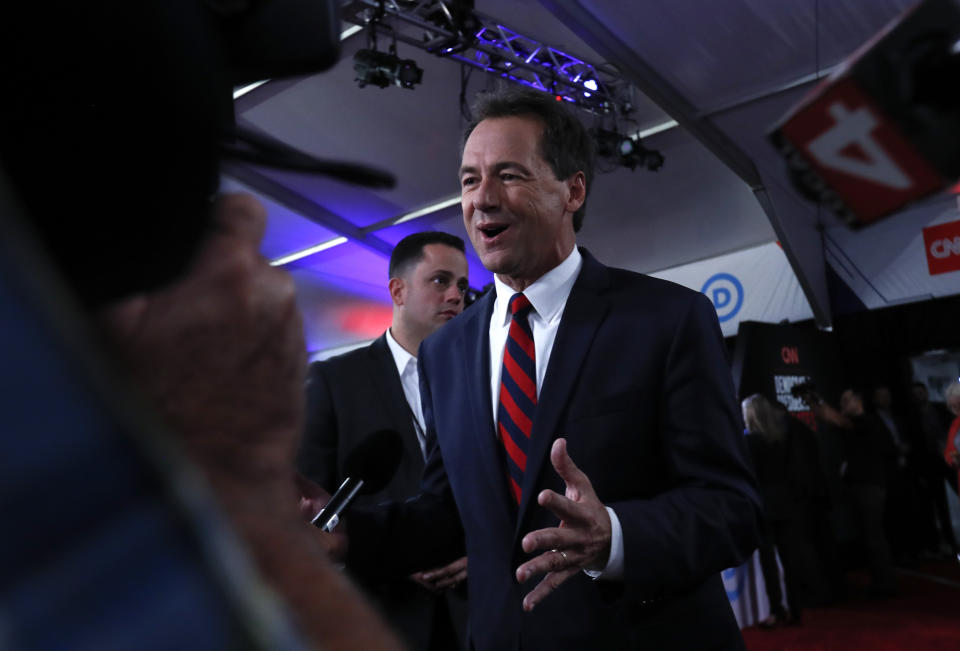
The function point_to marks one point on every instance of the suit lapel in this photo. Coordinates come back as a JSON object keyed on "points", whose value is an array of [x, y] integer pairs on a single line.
{"points": [[483, 441], [583, 314], [386, 381]]}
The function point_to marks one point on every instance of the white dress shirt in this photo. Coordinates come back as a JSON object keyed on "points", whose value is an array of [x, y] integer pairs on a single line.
{"points": [[548, 296], [410, 379]]}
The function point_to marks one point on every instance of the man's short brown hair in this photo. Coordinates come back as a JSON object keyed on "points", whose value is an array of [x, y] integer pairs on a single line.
{"points": [[565, 143]]}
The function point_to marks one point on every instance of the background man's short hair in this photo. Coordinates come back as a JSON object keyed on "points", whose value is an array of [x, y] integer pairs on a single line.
{"points": [[409, 251], [565, 143]]}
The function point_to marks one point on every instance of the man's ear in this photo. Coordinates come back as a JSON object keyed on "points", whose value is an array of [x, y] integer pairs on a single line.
{"points": [[397, 290], [577, 187]]}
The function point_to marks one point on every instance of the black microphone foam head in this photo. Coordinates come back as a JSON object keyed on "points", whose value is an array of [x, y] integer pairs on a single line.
{"points": [[375, 460]]}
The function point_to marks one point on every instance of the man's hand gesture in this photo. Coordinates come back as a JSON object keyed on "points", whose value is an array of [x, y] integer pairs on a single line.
{"points": [[581, 541]]}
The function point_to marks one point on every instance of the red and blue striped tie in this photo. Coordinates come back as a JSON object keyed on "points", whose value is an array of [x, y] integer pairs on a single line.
{"points": [[518, 392]]}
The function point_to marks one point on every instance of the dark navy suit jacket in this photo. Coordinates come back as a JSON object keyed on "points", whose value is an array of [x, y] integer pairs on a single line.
{"points": [[639, 384]]}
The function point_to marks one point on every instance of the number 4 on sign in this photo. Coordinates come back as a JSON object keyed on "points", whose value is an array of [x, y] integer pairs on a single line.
{"points": [[854, 128]]}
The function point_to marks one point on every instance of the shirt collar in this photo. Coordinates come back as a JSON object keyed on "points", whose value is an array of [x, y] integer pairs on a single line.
{"points": [[548, 294], [400, 355]]}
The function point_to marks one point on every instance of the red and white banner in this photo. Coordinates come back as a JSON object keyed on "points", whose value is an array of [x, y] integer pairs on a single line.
{"points": [[895, 260], [942, 243]]}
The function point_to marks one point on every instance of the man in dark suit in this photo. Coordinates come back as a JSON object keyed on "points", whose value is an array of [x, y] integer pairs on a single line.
{"points": [[376, 387], [620, 379], [869, 456], [903, 521], [930, 423]]}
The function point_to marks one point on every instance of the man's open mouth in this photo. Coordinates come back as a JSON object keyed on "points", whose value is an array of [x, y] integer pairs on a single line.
{"points": [[493, 230]]}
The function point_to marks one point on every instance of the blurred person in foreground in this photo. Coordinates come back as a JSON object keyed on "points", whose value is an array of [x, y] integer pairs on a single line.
{"points": [[581, 423], [377, 387], [220, 354], [116, 180]]}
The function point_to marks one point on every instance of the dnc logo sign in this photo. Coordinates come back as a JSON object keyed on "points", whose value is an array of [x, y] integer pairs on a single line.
{"points": [[726, 294]]}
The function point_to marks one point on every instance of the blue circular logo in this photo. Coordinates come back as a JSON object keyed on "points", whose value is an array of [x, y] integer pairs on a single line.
{"points": [[726, 294], [733, 582]]}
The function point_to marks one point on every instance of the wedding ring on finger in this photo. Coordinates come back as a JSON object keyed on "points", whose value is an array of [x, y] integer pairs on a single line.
{"points": [[561, 552]]}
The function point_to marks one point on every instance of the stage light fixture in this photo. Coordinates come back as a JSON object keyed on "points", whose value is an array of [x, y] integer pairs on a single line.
{"points": [[626, 151], [383, 69]]}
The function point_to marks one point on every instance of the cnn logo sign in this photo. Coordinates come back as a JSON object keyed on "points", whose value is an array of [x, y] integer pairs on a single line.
{"points": [[942, 243]]}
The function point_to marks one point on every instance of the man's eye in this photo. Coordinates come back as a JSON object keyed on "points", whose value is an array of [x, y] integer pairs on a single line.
{"points": [[508, 177], [468, 181], [440, 281]]}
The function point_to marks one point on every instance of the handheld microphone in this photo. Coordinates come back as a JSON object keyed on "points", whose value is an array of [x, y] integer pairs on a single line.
{"points": [[368, 467], [883, 130]]}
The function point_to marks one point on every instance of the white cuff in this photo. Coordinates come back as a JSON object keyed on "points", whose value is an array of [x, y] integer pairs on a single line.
{"points": [[613, 571]]}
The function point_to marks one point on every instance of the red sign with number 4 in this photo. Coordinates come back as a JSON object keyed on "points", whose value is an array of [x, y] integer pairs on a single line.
{"points": [[860, 153]]}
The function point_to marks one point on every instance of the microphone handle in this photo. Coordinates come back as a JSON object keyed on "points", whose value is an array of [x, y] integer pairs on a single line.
{"points": [[329, 516]]}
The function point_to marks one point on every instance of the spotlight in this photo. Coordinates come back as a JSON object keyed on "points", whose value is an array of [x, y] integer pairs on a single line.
{"points": [[408, 73], [609, 143], [385, 68], [626, 151]]}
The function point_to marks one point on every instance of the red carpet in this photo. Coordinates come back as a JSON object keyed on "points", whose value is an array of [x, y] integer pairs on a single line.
{"points": [[925, 615]]}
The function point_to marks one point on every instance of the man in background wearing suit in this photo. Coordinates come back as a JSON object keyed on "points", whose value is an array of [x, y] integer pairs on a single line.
{"points": [[376, 387], [619, 379]]}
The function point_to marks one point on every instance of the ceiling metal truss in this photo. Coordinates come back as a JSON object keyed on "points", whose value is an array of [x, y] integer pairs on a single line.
{"points": [[454, 30]]}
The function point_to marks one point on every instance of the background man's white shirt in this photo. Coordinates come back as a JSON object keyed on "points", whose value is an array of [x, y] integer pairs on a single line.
{"points": [[410, 379]]}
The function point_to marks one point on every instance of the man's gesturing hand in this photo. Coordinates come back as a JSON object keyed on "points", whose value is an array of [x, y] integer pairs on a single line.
{"points": [[582, 541]]}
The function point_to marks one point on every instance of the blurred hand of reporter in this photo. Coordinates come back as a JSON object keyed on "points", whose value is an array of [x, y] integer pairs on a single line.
{"points": [[220, 355], [221, 352]]}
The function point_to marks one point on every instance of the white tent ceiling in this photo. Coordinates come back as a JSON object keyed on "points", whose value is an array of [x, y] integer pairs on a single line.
{"points": [[725, 71]]}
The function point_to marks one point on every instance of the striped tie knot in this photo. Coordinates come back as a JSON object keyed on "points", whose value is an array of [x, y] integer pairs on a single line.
{"points": [[519, 305]]}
